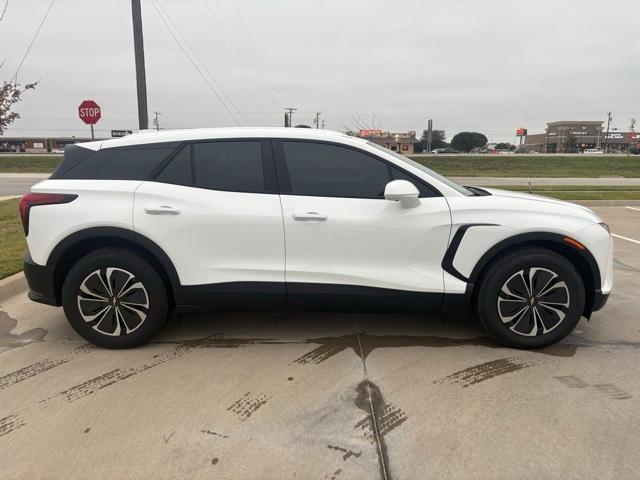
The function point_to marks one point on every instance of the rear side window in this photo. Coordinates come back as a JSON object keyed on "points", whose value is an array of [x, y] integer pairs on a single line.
{"points": [[234, 166], [119, 164], [73, 155], [178, 171], [324, 170]]}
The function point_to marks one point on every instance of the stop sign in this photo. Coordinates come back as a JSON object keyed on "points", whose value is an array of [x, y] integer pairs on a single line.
{"points": [[89, 112]]}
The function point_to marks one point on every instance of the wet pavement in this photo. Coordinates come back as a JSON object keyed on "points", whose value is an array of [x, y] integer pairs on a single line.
{"points": [[343, 396]]}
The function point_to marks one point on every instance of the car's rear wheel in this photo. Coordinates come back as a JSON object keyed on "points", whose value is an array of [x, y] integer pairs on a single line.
{"points": [[530, 298], [114, 298]]}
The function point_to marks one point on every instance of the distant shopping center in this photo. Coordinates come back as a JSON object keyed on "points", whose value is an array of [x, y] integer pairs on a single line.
{"points": [[578, 136]]}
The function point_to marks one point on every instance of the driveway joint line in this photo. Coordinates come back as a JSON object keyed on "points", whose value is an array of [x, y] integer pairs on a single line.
{"points": [[374, 420]]}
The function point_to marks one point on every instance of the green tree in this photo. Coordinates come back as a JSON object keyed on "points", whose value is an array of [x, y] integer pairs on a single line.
{"points": [[438, 139], [467, 141]]}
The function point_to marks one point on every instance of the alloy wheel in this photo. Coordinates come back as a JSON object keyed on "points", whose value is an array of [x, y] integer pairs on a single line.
{"points": [[113, 301], [533, 301]]}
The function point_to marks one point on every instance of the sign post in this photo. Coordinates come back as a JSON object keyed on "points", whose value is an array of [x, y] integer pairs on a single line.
{"points": [[521, 133], [89, 112]]}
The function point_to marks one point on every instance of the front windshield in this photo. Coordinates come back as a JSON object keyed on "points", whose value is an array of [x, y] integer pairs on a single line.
{"points": [[428, 171]]}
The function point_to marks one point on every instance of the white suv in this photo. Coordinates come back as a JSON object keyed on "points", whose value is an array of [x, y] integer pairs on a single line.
{"points": [[126, 230]]}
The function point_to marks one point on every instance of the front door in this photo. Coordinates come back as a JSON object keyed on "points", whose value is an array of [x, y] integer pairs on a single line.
{"points": [[348, 246]]}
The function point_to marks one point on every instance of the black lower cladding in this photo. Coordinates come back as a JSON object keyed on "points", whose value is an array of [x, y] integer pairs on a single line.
{"points": [[249, 296], [320, 297], [269, 296], [40, 280]]}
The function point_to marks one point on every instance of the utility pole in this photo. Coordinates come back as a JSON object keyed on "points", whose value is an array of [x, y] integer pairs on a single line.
{"points": [[606, 137], [290, 122], [156, 122], [141, 80], [317, 120]]}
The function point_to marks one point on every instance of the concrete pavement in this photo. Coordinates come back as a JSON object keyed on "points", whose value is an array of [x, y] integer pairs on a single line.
{"points": [[342, 396]]}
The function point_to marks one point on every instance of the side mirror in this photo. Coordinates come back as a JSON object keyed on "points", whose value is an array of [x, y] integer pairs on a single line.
{"points": [[402, 191]]}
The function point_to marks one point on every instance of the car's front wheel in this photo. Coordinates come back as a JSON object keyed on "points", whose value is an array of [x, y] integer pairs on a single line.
{"points": [[530, 298], [114, 298]]}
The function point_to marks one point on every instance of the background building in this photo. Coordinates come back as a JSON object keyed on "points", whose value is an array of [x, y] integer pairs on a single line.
{"points": [[38, 144], [578, 136], [404, 143]]}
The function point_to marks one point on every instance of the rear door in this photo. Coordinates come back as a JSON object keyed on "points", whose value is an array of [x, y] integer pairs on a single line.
{"points": [[215, 211], [348, 246]]}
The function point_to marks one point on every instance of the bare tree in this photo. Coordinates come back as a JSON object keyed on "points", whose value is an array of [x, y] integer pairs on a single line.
{"points": [[10, 94], [359, 123]]}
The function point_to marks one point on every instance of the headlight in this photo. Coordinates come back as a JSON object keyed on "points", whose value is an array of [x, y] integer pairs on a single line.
{"points": [[606, 227]]}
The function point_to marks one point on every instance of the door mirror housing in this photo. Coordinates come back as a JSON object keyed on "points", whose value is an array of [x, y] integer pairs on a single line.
{"points": [[402, 191]]}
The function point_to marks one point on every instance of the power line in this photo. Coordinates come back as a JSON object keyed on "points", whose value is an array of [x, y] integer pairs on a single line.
{"points": [[4, 10], [228, 45], [237, 47], [253, 44], [209, 84], [33, 40], [204, 66]]}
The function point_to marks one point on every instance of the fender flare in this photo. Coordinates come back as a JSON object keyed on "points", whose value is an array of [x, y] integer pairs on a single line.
{"points": [[533, 237], [115, 232]]}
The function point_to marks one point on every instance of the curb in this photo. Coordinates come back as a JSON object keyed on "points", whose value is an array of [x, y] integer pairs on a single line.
{"points": [[11, 286], [606, 203]]}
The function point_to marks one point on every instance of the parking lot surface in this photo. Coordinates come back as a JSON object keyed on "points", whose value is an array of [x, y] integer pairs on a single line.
{"points": [[326, 396]]}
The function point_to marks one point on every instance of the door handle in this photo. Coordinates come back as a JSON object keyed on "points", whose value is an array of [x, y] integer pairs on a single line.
{"points": [[310, 217], [162, 210]]}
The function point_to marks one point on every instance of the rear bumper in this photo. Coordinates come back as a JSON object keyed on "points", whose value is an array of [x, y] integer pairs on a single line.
{"points": [[40, 280]]}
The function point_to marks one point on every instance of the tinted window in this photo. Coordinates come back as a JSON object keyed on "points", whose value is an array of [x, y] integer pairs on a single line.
{"points": [[178, 170], [318, 169], [230, 166], [119, 164], [73, 155]]}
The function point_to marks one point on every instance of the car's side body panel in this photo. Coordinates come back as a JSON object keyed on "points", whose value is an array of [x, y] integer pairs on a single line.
{"points": [[367, 242], [100, 203], [517, 216], [216, 237]]}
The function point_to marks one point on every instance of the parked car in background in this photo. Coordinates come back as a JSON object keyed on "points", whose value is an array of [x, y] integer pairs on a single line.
{"points": [[444, 150], [126, 230], [592, 151]]}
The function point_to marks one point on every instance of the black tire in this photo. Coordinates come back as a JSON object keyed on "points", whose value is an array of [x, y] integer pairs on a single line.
{"points": [[535, 327], [132, 318]]}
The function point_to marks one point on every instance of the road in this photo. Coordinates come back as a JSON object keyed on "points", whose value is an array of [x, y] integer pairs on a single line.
{"points": [[343, 396], [544, 181], [12, 184]]}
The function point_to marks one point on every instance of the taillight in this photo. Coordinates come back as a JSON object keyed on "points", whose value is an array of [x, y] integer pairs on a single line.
{"points": [[35, 199]]}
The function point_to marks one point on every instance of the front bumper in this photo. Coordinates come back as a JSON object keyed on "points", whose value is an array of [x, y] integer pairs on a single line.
{"points": [[599, 300], [41, 282]]}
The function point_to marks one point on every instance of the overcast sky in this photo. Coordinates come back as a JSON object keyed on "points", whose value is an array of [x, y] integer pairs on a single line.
{"points": [[488, 66]]}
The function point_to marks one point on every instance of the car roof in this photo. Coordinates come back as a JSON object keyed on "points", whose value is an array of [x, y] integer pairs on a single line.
{"points": [[153, 136]]}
